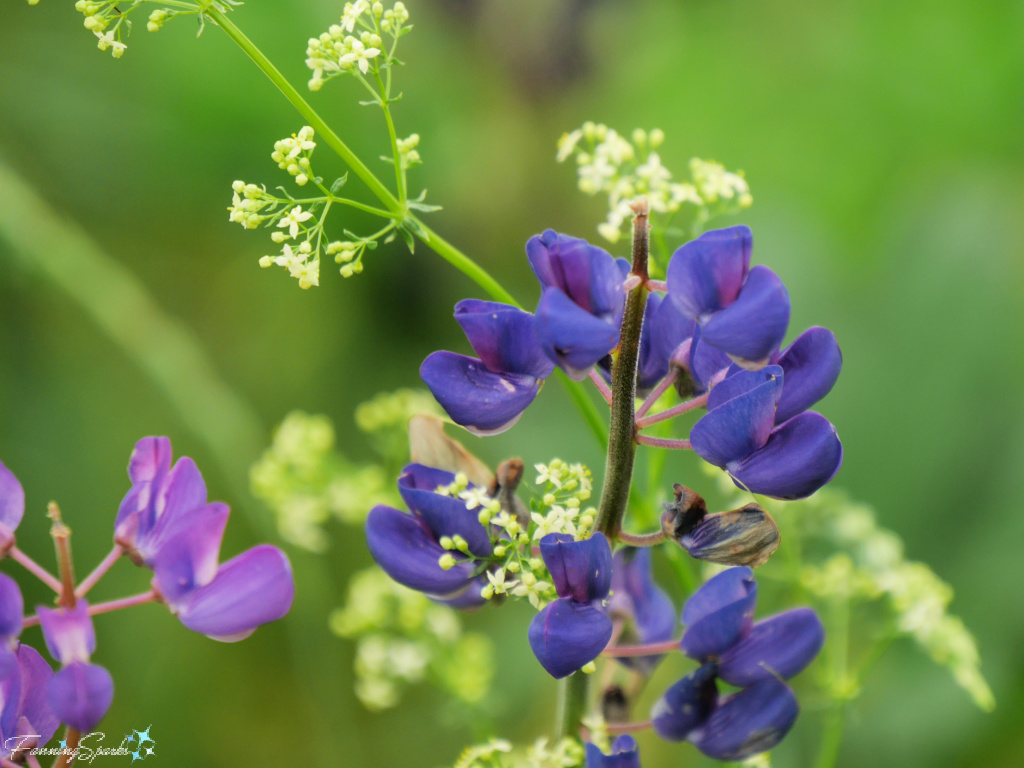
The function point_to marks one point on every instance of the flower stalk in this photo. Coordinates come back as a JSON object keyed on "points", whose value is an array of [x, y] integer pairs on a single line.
{"points": [[622, 427]]}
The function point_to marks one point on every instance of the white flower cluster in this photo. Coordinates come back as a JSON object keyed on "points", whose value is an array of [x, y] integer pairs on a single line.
{"points": [[513, 569], [608, 163], [98, 18], [293, 154], [403, 638], [499, 753], [355, 43]]}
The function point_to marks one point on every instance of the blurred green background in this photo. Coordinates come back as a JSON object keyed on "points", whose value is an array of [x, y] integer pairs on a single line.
{"points": [[883, 145]]}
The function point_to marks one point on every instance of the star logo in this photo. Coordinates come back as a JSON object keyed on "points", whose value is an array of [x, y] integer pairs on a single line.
{"points": [[144, 736], [136, 756], [149, 751], [64, 744]]}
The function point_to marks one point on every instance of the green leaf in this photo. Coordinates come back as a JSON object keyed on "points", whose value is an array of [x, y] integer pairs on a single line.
{"points": [[339, 183]]}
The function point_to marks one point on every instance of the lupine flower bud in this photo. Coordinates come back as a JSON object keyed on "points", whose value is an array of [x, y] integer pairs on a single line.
{"points": [[26, 719], [624, 754]]}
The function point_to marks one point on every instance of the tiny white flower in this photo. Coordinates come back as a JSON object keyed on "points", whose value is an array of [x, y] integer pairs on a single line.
{"points": [[292, 220]]}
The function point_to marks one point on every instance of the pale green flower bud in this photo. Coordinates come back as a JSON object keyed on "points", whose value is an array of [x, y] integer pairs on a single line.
{"points": [[656, 138], [447, 562]]}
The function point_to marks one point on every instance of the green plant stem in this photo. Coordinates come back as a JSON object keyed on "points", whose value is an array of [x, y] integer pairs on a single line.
{"points": [[572, 704], [838, 657], [618, 475]]}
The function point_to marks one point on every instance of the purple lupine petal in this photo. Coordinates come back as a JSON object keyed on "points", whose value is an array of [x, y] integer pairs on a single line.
{"points": [[651, 364], [80, 695], [10, 696], [748, 722], [638, 599], [704, 363], [405, 548], [34, 708], [753, 326], [566, 634], [12, 609], [69, 634], [780, 646], [482, 401], [563, 262], [686, 705], [737, 427], [719, 614], [250, 590], [504, 338], [811, 365], [580, 570], [667, 328], [706, 274], [586, 274], [801, 456], [572, 337], [741, 382], [746, 536], [12, 500], [444, 515], [625, 754], [149, 464], [210, 519], [188, 560]]}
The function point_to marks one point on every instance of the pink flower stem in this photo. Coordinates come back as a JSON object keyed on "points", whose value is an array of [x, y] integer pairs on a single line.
{"points": [[32, 760], [659, 442], [36, 570], [657, 285], [631, 282], [657, 392], [650, 649], [125, 602], [602, 386], [616, 728], [90, 581], [677, 410]]}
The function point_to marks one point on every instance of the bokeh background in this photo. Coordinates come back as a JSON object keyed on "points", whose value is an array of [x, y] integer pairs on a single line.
{"points": [[883, 145]]}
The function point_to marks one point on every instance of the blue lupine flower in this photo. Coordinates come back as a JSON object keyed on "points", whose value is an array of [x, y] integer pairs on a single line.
{"points": [[581, 303], [26, 719], [755, 657], [625, 754], [162, 500], [636, 600], [81, 693], [739, 434], [407, 546], [166, 524], [489, 394], [12, 508], [743, 312], [573, 630]]}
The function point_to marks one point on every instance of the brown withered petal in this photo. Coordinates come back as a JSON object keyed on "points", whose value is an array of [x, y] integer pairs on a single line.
{"points": [[684, 514], [745, 536], [430, 446]]}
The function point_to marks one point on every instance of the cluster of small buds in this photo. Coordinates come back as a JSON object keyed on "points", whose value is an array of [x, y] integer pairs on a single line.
{"points": [[247, 202], [157, 19], [609, 163], [98, 17], [566, 487], [407, 151], [349, 253], [404, 638], [292, 154], [355, 42], [394, 19], [299, 263]]}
